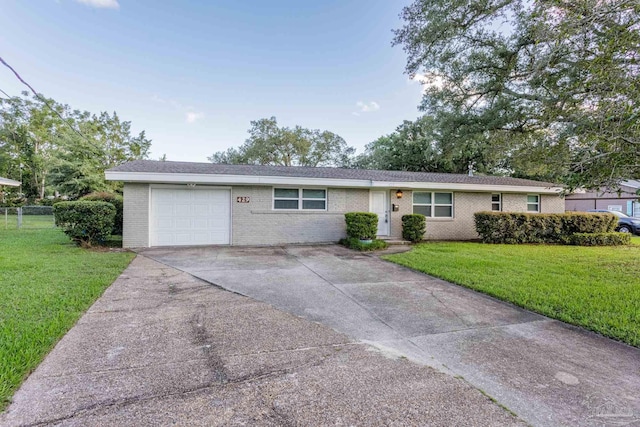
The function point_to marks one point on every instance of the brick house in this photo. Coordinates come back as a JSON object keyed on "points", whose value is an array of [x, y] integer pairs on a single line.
{"points": [[183, 203]]}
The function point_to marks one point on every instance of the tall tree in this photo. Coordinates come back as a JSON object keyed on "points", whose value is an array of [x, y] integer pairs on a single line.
{"points": [[557, 80], [269, 144], [50, 148], [28, 128], [103, 141]]}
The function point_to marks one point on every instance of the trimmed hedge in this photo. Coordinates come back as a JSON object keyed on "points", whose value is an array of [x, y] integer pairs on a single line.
{"points": [[356, 244], [85, 222], [361, 225], [601, 239], [117, 202], [413, 227], [506, 227]]}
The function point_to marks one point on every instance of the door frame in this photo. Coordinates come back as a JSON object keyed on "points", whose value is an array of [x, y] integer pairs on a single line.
{"points": [[386, 209]]}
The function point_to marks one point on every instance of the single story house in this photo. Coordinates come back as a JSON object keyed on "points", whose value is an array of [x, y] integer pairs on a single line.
{"points": [[183, 203], [6, 182], [627, 200]]}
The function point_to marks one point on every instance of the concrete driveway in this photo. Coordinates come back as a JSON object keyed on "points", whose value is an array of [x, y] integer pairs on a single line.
{"points": [[161, 347], [545, 371]]}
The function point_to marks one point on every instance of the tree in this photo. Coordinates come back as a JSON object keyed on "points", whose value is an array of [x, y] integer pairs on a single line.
{"points": [[269, 144], [103, 141], [418, 146], [553, 82], [50, 148], [28, 128]]}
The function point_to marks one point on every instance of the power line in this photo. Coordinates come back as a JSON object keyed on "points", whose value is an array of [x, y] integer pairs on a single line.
{"points": [[5, 93], [44, 100]]}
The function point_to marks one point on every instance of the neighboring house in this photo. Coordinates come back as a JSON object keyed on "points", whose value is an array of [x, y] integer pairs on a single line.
{"points": [[625, 201], [6, 182], [179, 203]]}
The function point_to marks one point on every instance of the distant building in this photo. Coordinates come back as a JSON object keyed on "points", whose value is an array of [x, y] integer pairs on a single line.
{"points": [[627, 200]]}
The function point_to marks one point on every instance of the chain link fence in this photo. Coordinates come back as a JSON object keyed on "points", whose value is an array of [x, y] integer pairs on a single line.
{"points": [[26, 217]]}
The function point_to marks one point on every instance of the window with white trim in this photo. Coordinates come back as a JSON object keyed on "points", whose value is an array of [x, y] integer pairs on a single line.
{"points": [[432, 204], [308, 199], [533, 203], [496, 202]]}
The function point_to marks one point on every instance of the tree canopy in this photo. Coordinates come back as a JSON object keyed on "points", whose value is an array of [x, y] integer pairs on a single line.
{"points": [[269, 144], [552, 84], [52, 149]]}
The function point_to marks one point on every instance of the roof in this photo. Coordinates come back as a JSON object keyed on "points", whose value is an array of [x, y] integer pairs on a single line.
{"points": [[190, 168], [9, 182]]}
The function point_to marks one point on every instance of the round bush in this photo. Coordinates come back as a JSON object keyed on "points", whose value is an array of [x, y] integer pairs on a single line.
{"points": [[117, 202], [361, 225], [413, 227], [85, 222]]}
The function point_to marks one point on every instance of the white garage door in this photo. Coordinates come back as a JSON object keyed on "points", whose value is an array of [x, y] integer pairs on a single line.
{"points": [[190, 216]]}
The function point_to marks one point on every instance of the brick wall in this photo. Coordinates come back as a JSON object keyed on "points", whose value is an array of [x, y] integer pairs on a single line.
{"points": [[135, 233], [552, 204], [465, 204], [256, 223], [405, 207]]}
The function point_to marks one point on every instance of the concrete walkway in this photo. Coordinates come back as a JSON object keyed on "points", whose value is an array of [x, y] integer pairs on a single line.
{"points": [[161, 347], [548, 373]]}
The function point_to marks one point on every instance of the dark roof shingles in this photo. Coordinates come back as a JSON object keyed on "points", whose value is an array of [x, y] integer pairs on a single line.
{"points": [[154, 166]]}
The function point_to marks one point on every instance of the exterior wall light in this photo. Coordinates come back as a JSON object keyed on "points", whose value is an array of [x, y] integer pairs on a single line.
{"points": [[399, 194]]}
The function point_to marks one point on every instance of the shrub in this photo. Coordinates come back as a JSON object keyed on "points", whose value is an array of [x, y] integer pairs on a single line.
{"points": [[600, 239], [116, 201], [356, 244], [361, 225], [85, 222], [48, 202], [413, 227], [505, 227]]}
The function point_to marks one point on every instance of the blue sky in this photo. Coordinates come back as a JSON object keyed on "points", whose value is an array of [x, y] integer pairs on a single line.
{"points": [[193, 74]]}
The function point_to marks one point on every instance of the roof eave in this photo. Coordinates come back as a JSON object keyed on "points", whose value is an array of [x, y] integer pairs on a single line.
{"points": [[219, 179], [9, 182]]}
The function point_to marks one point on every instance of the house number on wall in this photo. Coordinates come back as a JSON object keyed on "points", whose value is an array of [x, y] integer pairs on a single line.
{"points": [[242, 199]]}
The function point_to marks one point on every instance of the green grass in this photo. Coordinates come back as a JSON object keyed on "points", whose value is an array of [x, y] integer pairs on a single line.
{"points": [[46, 284], [597, 288], [10, 222]]}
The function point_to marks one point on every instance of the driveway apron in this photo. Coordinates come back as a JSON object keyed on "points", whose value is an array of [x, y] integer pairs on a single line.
{"points": [[547, 372]]}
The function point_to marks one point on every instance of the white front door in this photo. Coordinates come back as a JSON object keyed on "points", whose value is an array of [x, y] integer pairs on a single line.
{"points": [[379, 206]]}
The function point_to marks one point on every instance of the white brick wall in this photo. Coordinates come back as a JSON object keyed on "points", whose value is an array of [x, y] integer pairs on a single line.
{"points": [[462, 226], [135, 233], [552, 204], [256, 223]]}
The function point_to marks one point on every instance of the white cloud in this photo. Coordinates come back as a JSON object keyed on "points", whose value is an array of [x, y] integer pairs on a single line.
{"points": [[101, 4], [428, 81], [367, 107], [189, 111], [193, 116]]}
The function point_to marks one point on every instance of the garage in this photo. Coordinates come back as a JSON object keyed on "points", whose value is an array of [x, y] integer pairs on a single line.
{"points": [[190, 216]]}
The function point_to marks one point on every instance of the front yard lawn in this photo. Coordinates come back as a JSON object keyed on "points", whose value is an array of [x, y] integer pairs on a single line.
{"points": [[46, 284], [597, 288]]}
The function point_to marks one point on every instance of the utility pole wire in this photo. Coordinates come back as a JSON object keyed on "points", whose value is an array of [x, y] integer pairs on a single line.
{"points": [[44, 100], [5, 93]]}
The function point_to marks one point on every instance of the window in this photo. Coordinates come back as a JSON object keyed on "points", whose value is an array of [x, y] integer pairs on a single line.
{"points": [[433, 205], [299, 199], [533, 203], [496, 202]]}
